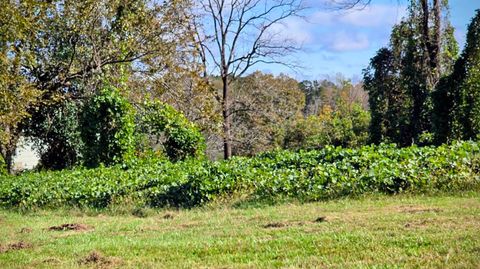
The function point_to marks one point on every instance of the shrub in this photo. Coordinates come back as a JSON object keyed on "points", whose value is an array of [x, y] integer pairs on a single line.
{"points": [[108, 129], [181, 138]]}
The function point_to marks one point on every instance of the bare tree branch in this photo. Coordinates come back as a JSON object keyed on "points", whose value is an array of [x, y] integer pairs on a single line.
{"points": [[241, 35]]}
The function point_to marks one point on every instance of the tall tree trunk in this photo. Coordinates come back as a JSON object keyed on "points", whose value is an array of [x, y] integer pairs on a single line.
{"points": [[432, 41], [227, 139], [430, 63], [9, 161], [426, 34], [436, 44], [7, 150]]}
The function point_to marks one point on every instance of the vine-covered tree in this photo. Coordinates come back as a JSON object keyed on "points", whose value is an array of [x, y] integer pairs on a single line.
{"points": [[457, 99], [107, 129], [379, 81], [422, 49], [470, 86]]}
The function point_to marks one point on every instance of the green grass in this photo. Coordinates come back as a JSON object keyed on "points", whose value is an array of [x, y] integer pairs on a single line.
{"points": [[372, 232]]}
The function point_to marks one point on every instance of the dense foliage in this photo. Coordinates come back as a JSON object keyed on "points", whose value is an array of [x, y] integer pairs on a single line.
{"points": [[457, 98], [53, 53], [181, 138], [108, 129], [3, 168], [57, 133], [74, 77], [402, 77], [305, 175], [17, 93], [340, 119]]}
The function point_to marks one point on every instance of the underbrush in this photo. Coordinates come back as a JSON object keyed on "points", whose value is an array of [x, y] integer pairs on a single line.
{"points": [[306, 175]]}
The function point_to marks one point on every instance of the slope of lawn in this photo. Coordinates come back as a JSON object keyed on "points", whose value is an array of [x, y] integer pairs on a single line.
{"points": [[378, 231]]}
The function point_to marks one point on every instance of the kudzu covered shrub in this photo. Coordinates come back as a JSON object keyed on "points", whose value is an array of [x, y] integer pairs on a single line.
{"points": [[181, 138], [304, 175]]}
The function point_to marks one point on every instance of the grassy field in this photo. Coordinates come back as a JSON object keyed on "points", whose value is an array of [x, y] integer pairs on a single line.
{"points": [[373, 232]]}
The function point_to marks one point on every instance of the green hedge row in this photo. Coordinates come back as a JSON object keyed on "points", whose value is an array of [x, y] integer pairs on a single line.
{"points": [[305, 175]]}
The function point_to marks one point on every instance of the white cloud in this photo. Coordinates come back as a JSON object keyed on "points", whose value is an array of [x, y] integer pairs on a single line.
{"points": [[322, 18], [335, 31], [370, 16], [343, 41], [374, 16], [294, 29]]}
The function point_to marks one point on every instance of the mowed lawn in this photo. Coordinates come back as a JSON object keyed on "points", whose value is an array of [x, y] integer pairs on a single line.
{"points": [[372, 232]]}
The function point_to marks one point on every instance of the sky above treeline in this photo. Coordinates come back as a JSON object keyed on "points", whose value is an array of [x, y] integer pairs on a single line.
{"points": [[344, 41]]}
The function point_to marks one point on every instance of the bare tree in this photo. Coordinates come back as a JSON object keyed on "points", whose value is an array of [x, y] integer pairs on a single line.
{"points": [[238, 34]]}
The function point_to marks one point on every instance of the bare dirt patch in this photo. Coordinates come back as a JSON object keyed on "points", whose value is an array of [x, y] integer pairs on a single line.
{"points": [[70, 227], [189, 225], [51, 261], [320, 219], [15, 246], [97, 259], [94, 257], [275, 225], [417, 224], [283, 224]]}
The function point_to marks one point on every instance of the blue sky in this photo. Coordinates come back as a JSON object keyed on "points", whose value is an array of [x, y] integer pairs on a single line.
{"points": [[343, 42]]}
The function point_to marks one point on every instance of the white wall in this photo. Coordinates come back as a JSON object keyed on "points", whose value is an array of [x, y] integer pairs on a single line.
{"points": [[25, 157]]}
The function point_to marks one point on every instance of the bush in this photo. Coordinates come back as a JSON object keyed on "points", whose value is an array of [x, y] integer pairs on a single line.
{"points": [[305, 175], [108, 129], [181, 138]]}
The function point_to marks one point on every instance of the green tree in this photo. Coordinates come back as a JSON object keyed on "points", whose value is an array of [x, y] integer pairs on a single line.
{"points": [[458, 96], [57, 133], [57, 52], [17, 93], [388, 101], [422, 49], [314, 92], [470, 87], [344, 124]]}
